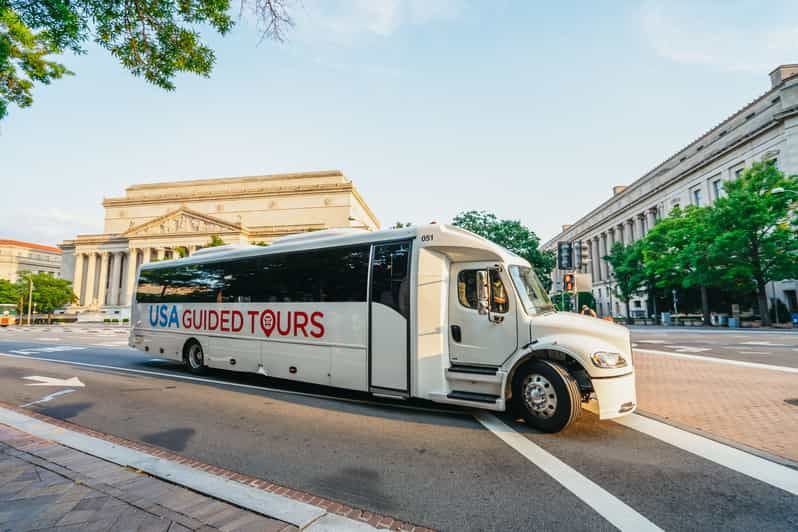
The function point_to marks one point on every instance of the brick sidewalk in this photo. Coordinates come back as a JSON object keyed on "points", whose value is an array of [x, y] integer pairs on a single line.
{"points": [[754, 407], [46, 486]]}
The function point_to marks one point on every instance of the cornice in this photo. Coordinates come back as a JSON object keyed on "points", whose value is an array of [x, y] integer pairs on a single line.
{"points": [[229, 227], [216, 196], [366, 208], [233, 180]]}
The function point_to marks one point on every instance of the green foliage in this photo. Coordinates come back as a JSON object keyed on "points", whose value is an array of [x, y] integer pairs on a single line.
{"points": [[154, 39], [758, 231], [182, 251], [260, 243], [627, 271], [512, 235], [23, 59], [400, 225], [215, 241], [49, 293], [8, 292]]}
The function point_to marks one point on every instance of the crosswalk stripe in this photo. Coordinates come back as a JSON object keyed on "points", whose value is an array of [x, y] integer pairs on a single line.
{"points": [[611, 508]]}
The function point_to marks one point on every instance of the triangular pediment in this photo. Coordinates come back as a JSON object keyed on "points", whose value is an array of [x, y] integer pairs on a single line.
{"points": [[183, 221]]}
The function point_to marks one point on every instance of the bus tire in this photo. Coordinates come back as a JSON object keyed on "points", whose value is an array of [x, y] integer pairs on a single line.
{"points": [[546, 395], [194, 358]]}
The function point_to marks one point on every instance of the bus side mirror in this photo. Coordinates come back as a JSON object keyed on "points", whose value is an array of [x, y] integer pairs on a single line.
{"points": [[483, 291]]}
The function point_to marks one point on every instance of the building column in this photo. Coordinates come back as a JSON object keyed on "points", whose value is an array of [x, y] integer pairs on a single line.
{"points": [[77, 279], [610, 243], [130, 278], [596, 260], [651, 218], [630, 230], [192, 249], [602, 253], [101, 290], [160, 253], [90, 274], [147, 256], [116, 272], [641, 229], [619, 230]]}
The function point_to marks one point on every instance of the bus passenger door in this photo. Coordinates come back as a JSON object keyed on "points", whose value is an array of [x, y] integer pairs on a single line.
{"points": [[481, 338], [389, 318]]}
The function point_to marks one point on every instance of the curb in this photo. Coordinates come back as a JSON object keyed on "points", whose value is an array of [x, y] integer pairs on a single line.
{"points": [[304, 510]]}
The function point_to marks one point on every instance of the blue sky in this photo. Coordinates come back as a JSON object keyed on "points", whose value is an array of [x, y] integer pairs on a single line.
{"points": [[531, 110]]}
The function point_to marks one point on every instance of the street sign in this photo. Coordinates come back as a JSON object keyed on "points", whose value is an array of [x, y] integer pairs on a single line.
{"points": [[584, 282], [564, 256]]}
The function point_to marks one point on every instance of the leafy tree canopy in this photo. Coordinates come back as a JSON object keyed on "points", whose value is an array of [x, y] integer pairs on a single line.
{"points": [[512, 235], [215, 241], [155, 39], [8, 292], [757, 241], [49, 293], [627, 270]]}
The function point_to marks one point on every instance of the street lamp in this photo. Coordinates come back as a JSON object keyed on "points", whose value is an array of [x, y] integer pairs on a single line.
{"points": [[782, 190]]}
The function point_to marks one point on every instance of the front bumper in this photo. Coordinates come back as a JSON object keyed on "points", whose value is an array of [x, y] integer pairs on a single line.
{"points": [[614, 396]]}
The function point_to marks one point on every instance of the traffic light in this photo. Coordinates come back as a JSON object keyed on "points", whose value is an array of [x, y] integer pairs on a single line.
{"points": [[568, 282]]}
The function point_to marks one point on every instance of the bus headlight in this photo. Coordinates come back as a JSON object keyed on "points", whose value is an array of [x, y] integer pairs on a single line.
{"points": [[608, 360]]}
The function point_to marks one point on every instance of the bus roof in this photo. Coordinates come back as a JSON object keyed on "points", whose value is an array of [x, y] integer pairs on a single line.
{"points": [[446, 238]]}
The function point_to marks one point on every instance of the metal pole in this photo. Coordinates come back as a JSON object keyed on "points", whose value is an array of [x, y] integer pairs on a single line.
{"points": [[775, 301], [30, 297]]}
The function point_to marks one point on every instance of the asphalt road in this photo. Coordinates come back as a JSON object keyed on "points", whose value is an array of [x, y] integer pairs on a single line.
{"points": [[773, 347], [421, 463]]}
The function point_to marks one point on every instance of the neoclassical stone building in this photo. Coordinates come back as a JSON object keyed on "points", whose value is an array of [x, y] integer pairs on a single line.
{"points": [[158, 220], [766, 129]]}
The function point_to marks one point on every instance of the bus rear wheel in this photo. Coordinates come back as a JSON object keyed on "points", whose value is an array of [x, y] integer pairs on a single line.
{"points": [[546, 395], [194, 358]]}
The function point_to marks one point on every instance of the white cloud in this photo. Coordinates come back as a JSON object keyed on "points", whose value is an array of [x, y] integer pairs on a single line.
{"points": [[348, 19], [47, 226], [703, 34]]}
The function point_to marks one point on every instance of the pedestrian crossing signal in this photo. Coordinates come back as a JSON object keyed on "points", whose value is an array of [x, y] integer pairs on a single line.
{"points": [[568, 282]]}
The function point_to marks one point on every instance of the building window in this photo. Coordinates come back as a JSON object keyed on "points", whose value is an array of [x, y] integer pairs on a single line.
{"points": [[717, 188], [697, 197], [737, 171], [773, 162]]}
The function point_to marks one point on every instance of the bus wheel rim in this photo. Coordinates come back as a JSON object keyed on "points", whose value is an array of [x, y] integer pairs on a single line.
{"points": [[539, 396], [195, 356]]}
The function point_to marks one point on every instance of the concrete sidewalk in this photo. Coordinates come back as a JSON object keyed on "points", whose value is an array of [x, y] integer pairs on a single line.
{"points": [[47, 486]]}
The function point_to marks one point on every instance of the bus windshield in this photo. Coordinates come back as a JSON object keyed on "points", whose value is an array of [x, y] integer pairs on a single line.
{"points": [[533, 295]]}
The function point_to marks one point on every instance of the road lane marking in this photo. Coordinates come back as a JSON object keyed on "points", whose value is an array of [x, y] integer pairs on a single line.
{"points": [[621, 515], [722, 361], [777, 475], [53, 381], [48, 398], [47, 349], [763, 344], [688, 349], [295, 512], [231, 384]]}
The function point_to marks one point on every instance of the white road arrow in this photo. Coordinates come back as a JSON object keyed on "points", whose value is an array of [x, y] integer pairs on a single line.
{"points": [[74, 382]]}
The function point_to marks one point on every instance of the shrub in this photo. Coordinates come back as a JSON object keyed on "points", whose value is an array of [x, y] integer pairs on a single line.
{"points": [[125, 320]]}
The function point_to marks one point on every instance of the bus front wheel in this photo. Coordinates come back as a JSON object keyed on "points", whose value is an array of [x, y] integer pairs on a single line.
{"points": [[194, 357], [546, 395]]}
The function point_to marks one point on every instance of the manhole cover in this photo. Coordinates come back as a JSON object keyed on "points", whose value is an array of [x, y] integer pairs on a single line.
{"points": [[793, 402]]}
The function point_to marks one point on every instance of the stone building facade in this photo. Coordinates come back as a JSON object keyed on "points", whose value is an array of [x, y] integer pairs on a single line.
{"points": [[765, 129], [159, 220], [17, 256]]}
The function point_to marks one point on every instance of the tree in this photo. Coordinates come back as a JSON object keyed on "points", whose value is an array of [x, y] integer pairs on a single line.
{"points": [[627, 271], [512, 235], [49, 293], [759, 238], [677, 253], [215, 241], [8, 292], [400, 225], [156, 39]]}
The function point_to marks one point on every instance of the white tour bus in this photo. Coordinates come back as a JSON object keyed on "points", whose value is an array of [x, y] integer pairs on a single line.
{"points": [[433, 312]]}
